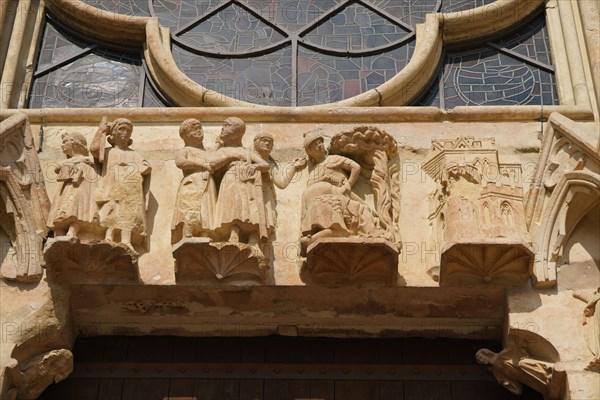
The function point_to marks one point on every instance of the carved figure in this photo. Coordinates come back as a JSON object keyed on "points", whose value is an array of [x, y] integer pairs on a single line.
{"points": [[125, 179], [239, 215], [74, 205], [591, 322], [329, 207], [197, 193], [513, 368]]}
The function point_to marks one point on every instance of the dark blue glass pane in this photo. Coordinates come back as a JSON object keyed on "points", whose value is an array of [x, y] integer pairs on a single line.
{"points": [[264, 79], [432, 97], [232, 30], [324, 78], [178, 13], [355, 28], [57, 47], [152, 98], [530, 41], [126, 7]]}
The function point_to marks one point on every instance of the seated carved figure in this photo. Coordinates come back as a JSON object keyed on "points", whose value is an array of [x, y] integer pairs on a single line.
{"points": [[121, 196], [197, 194], [329, 207], [74, 204]]}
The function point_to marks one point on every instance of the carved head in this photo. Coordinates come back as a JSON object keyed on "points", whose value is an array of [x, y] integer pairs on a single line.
{"points": [[263, 143], [120, 133], [233, 130], [314, 145], [486, 357], [191, 132], [74, 143]]}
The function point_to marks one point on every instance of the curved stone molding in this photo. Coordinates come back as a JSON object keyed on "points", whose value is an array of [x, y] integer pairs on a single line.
{"points": [[351, 261], [486, 20], [199, 261], [23, 200], [175, 84], [100, 24], [69, 261], [567, 168]]}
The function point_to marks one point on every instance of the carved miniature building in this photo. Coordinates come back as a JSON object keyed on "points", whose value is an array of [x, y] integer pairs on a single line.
{"points": [[249, 199]]}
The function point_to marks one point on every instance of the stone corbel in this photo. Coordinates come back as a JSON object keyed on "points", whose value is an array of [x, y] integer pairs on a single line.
{"points": [[30, 380], [24, 202]]}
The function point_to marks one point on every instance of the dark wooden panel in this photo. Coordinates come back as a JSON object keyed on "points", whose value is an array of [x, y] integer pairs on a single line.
{"points": [[253, 350], [81, 389], [356, 351], [424, 390], [110, 389], [356, 390], [322, 390], [218, 350], [391, 390], [251, 389], [286, 389], [217, 389], [181, 389], [145, 389], [391, 352], [115, 348]]}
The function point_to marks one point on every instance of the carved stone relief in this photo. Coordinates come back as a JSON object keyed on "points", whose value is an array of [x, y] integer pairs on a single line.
{"points": [[565, 187], [23, 203], [591, 325], [225, 216], [337, 218], [513, 368], [477, 214], [101, 200], [29, 381]]}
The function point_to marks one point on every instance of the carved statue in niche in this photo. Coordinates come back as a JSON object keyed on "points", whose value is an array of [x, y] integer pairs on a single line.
{"points": [[591, 322], [197, 194], [24, 202], [334, 215], [74, 205], [513, 368], [122, 194]]}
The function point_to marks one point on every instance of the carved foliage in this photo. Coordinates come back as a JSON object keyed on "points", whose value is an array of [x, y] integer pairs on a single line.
{"points": [[199, 261], [24, 202]]}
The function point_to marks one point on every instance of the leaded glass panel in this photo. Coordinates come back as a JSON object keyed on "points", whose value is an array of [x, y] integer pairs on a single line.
{"points": [[56, 47], [125, 7], [100, 79], [462, 5], [232, 30], [411, 12], [530, 41], [355, 28], [176, 14], [263, 79]]}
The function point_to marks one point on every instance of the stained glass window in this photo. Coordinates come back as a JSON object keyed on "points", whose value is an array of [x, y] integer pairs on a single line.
{"points": [[514, 70], [292, 53], [72, 73]]}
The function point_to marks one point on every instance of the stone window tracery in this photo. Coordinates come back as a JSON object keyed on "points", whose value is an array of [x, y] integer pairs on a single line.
{"points": [[291, 53]]}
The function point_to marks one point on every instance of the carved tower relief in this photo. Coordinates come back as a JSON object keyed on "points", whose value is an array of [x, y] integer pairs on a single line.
{"points": [[477, 214], [23, 203], [99, 213], [350, 208]]}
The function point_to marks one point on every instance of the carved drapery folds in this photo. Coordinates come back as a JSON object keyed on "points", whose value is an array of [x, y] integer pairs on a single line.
{"points": [[23, 202], [30, 380], [591, 325], [224, 217], [566, 186], [477, 214], [513, 367], [347, 240], [99, 213]]}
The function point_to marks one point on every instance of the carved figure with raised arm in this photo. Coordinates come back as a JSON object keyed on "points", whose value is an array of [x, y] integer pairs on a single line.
{"points": [[123, 190], [74, 205], [197, 193]]}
